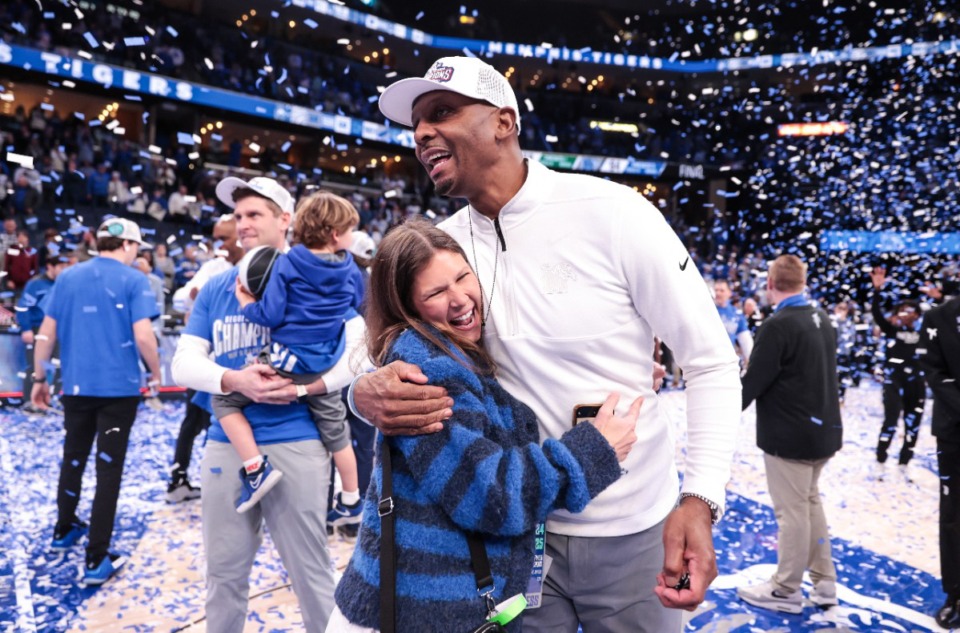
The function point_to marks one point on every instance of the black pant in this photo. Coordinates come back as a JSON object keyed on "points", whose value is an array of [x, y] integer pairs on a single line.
{"points": [[109, 420], [948, 459], [906, 393], [195, 420]]}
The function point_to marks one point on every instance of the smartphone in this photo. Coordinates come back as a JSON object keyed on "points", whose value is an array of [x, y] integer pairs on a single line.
{"points": [[583, 412]]}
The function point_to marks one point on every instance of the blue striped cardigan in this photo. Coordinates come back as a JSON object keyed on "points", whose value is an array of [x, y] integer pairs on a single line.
{"points": [[484, 472]]}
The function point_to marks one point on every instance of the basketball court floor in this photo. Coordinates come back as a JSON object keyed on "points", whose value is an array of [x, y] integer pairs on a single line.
{"points": [[884, 538]]}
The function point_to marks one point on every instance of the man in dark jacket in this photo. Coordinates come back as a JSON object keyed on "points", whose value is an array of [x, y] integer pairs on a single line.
{"points": [[939, 355], [903, 389], [793, 377]]}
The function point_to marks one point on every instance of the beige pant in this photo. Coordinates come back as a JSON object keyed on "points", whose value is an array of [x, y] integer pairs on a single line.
{"points": [[803, 542]]}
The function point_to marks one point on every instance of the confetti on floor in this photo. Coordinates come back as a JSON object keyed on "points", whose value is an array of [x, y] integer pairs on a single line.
{"points": [[884, 538]]}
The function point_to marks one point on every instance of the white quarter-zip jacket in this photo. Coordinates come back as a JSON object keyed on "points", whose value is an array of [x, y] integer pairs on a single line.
{"points": [[588, 271]]}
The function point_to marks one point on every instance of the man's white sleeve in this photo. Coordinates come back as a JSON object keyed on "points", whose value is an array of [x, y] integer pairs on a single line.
{"points": [[192, 367], [745, 341], [354, 359], [670, 294]]}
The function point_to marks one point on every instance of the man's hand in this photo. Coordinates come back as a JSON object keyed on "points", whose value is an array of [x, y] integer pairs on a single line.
{"points": [[878, 276], [40, 395], [397, 400], [260, 383], [688, 547], [27, 337]]}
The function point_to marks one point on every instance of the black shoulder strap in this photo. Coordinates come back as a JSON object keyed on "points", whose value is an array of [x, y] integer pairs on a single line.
{"points": [[388, 554]]}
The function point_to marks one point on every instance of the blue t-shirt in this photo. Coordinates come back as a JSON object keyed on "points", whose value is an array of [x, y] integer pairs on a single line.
{"points": [[95, 305], [236, 342], [733, 320]]}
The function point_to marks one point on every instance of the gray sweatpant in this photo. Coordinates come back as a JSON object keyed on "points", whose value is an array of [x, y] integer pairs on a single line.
{"points": [[604, 584], [295, 512]]}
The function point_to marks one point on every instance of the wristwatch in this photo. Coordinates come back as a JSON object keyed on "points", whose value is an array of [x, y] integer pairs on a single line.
{"points": [[40, 378], [301, 392], [715, 512]]}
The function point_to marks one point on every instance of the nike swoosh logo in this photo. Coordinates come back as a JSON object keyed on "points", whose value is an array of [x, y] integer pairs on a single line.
{"points": [[683, 266], [256, 482]]}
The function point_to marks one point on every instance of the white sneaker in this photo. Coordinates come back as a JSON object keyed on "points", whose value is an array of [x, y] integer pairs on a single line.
{"points": [[767, 596], [878, 471], [824, 594]]}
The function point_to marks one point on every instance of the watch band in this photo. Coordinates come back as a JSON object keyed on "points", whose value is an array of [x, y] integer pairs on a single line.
{"points": [[40, 378], [301, 392], [715, 512]]}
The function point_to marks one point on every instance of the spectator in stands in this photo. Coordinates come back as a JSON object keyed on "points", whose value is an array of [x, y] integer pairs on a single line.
{"points": [[8, 240], [118, 193], [164, 266], [101, 376], [466, 124], [98, 186], [30, 316], [20, 263], [74, 185], [793, 377], [25, 198], [156, 287], [188, 266], [177, 205]]}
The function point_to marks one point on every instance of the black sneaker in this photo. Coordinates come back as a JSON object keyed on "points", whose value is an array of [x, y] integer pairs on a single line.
{"points": [[181, 490], [948, 616]]}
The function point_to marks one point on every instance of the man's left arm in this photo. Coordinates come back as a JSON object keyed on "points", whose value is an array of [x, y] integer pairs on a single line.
{"points": [[43, 348], [671, 296], [353, 362]]}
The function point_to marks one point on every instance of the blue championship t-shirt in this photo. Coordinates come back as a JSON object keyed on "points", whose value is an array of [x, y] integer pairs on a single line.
{"points": [[236, 342], [95, 305], [733, 321]]}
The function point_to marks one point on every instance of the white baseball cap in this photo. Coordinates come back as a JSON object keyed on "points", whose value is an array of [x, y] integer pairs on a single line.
{"points": [[122, 228], [266, 187], [362, 244], [468, 76]]}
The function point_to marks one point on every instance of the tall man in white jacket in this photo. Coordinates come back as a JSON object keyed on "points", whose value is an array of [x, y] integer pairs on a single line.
{"points": [[578, 274]]}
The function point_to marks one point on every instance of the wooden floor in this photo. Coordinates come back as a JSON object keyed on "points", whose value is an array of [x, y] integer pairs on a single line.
{"points": [[885, 539]]}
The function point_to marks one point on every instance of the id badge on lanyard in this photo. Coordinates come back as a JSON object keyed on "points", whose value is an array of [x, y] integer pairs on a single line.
{"points": [[535, 586]]}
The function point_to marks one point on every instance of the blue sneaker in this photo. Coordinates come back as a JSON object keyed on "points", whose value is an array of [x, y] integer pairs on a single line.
{"points": [[256, 484], [64, 541], [104, 570], [343, 514]]}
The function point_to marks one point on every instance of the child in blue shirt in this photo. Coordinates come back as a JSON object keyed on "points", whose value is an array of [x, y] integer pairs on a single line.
{"points": [[312, 291]]}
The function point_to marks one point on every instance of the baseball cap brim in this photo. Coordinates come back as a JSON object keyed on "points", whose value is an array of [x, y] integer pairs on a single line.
{"points": [[396, 102], [226, 187]]}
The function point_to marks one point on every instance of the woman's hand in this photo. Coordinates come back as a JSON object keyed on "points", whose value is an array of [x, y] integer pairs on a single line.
{"points": [[621, 432]]}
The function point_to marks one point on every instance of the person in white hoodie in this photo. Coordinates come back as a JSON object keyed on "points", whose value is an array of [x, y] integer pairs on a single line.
{"points": [[578, 275]]}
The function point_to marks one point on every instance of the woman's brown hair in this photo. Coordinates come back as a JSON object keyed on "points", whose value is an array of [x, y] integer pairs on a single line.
{"points": [[403, 253], [319, 215]]}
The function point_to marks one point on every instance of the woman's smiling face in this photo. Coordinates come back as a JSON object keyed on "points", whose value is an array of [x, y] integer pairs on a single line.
{"points": [[446, 294]]}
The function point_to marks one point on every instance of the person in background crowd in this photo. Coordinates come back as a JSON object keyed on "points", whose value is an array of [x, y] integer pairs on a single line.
{"points": [[100, 311], [733, 320], [227, 252], [903, 388], [846, 347], [939, 356], [20, 263], [30, 316], [793, 377]]}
